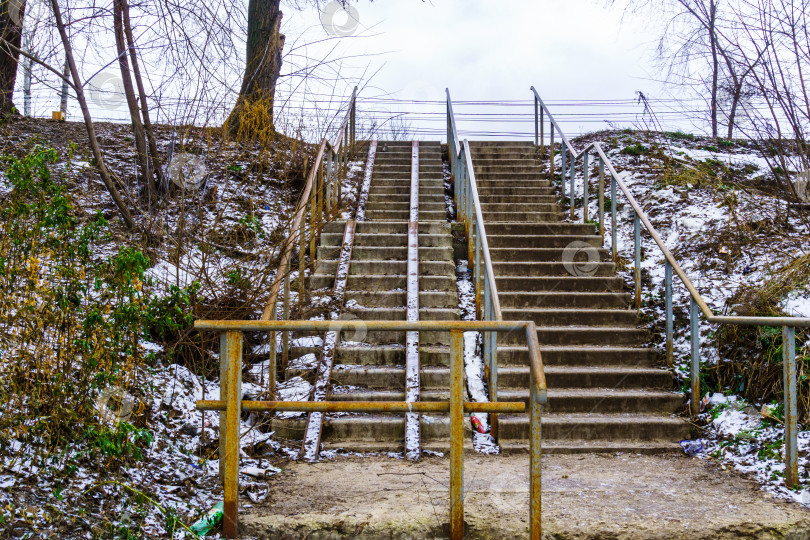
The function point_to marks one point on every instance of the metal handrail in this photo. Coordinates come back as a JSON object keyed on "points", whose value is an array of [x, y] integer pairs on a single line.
{"points": [[322, 193], [231, 405], [698, 305], [469, 210]]}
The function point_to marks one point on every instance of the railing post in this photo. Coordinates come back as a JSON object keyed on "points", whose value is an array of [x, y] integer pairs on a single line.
{"points": [[585, 181], [353, 120], [535, 467], [536, 123], [563, 168], [285, 336], [542, 135], [613, 233], [694, 329], [551, 153], [602, 199], [456, 435], [669, 314], [637, 256], [231, 389], [571, 176], [791, 413]]}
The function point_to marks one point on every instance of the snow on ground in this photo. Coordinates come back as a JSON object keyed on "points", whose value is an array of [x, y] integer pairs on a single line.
{"points": [[703, 226]]}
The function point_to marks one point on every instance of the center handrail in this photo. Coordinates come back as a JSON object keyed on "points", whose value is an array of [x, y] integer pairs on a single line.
{"points": [[469, 210], [698, 305]]}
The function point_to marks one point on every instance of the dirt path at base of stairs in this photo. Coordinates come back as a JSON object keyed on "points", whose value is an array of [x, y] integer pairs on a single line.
{"points": [[584, 496]]}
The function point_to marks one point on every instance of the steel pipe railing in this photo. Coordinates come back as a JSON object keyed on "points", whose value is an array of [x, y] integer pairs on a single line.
{"points": [[468, 210], [698, 306], [231, 405]]}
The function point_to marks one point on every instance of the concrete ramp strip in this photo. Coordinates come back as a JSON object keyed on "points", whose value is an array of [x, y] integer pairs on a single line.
{"points": [[412, 383], [363, 199], [312, 438]]}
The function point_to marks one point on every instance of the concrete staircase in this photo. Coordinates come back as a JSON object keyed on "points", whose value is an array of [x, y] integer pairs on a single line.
{"points": [[371, 365], [606, 391]]}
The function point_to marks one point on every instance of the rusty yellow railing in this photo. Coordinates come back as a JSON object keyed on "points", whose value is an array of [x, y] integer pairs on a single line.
{"points": [[319, 202], [231, 405]]}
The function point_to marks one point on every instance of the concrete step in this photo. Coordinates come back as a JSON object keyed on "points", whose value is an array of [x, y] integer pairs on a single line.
{"points": [[602, 400], [380, 355], [392, 377], [554, 268], [519, 207], [616, 377], [400, 314], [372, 267], [559, 284], [621, 429], [388, 239], [443, 299], [573, 230], [528, 217], [388, 227], [521, 255], [508, 199], [383, 282], [424, 215], [403, 206], [381, 253], [551, 316], [618, 428], [516, 191], [496, 240], [598, 355], [533, 299]]}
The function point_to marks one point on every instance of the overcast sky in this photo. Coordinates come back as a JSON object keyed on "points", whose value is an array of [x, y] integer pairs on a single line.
{"points": [[408, 50], [485, 50]]}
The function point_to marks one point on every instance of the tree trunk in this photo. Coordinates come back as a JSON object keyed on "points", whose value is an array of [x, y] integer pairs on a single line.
{"points": [[253, 112], [132, 102], [11, 17], [104, 171], [136, 73], [715, 65]]}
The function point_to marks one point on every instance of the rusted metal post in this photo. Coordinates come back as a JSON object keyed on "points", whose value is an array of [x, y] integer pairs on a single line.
{"points": [[312, 229], [602, 199], [536, 123], [613, 232], [535, 467], [271, 374], [231, 354], [694, 329], [791, 414], [285, 336], [637, 257], [456, 434], [353, 120], [669, 314], [302, 260], [586, 173]]}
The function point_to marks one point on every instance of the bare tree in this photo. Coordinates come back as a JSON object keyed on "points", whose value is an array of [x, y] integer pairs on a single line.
{"points": [[11, 18]]}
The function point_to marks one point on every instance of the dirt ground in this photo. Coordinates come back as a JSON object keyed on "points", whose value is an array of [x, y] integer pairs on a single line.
{"points": [[584, 496]]}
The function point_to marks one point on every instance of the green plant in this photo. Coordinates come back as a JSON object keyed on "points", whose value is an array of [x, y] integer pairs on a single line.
{"points": [[637, 149]]}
